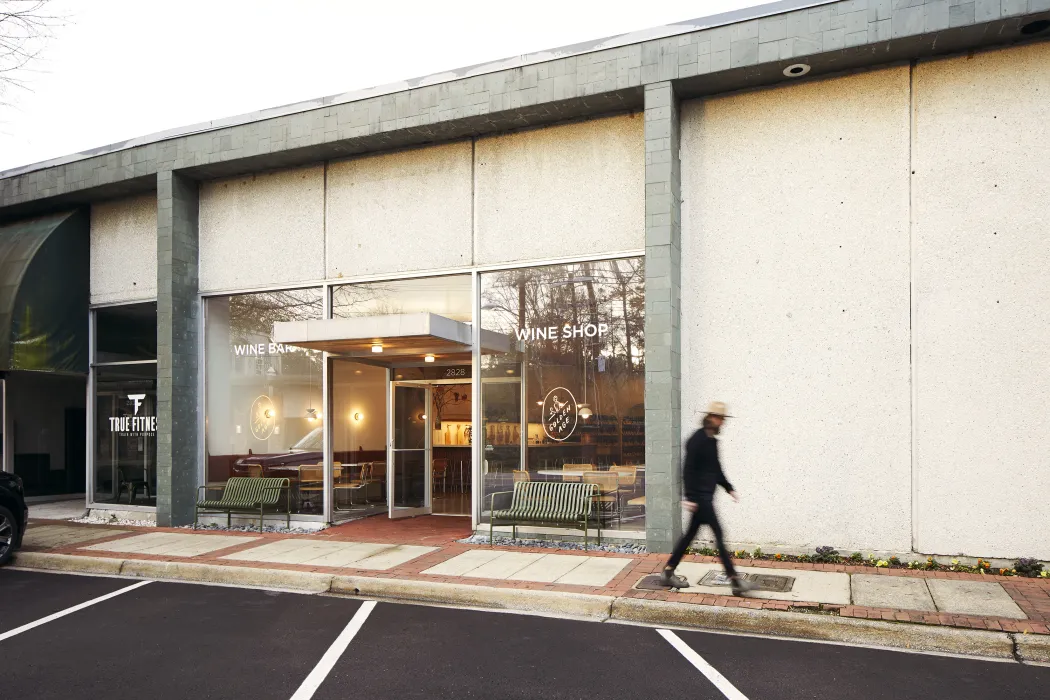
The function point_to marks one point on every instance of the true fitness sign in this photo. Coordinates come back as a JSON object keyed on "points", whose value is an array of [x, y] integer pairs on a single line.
{"points": [[134, 424]]}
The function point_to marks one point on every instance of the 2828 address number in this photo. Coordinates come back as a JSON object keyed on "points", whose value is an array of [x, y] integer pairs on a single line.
{"points": [[455, 372]]}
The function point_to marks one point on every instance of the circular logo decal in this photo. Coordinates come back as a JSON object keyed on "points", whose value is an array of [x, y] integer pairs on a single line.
{"points": [[263, 417], [559, 414]]}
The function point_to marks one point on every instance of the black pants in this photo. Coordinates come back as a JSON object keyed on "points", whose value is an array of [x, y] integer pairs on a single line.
{"points": [[703, 515]]}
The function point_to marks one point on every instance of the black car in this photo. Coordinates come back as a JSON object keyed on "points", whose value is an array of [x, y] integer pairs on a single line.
{"points": [[14, 515]]}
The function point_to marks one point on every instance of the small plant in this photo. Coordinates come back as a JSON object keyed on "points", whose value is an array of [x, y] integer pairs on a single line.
{"points": [[780, 557], [856, 556], [895, 561], [741, 554], [827, 555], [882, 564], [1044, 574], [1029, 567], [803, 557], [983, 566], [757, 554], [916, 564], [931, 565], [707, 552]]}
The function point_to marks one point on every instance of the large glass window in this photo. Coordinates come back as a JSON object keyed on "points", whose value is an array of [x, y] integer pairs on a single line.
{"points": [[264, 401], [447, 296], [125, 380], [566, 401]]}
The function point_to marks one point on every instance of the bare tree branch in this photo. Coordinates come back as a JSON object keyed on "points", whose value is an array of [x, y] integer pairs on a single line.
{"points": [[26, 26]]}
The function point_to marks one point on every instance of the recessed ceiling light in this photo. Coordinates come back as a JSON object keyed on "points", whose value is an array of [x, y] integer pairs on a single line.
{"points": [[377, 347], [428, 358], [796, 70], [1040, 25]]}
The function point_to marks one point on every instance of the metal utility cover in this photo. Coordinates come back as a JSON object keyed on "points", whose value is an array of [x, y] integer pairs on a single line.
{"points": [[763, 582]]}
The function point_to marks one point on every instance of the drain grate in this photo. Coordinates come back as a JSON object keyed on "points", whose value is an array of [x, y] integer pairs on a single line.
{"points": [[763, 582]]}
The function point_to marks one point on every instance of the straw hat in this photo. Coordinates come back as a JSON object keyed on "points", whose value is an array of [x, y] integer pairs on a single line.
{"points": [[718, 408]]}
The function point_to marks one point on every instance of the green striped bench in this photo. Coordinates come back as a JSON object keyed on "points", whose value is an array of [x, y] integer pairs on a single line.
{"points": [[247, 494], [546, 503]]}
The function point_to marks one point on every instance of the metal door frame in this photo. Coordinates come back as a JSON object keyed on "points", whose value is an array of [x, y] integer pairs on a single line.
{"points": [[393, 512]]}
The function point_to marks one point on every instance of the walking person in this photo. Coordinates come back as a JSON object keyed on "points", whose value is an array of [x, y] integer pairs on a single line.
{"points": [[701, 475]]}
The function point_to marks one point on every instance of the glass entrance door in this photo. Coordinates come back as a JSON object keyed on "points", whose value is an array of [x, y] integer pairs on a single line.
{"points": [[408, 482]]}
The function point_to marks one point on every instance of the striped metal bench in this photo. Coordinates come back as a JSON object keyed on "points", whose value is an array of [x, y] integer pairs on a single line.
{"points": [[546, 503], [247, 494]]}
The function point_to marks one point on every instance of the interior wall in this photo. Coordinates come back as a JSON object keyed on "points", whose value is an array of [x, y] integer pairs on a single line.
{"points": [[559, 191], [124, 250], [982, 281], [262, 229], [404, 211], [795, 305]]}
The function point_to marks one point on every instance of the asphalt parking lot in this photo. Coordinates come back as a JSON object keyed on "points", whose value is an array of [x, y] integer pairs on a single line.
{"points": [[177, 640]]}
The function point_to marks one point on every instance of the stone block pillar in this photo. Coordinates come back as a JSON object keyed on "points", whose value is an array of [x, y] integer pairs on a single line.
{"points": [[178, 328], [663, 346]]}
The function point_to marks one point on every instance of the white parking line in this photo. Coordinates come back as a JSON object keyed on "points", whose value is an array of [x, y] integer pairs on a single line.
{"points": [[69, 611], [712, 674], [328, 661]]}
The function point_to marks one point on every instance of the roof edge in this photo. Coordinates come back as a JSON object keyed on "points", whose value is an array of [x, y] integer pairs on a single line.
{"points": [[636, 37]]}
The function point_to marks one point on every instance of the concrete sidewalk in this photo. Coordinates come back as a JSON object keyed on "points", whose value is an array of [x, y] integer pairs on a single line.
{"points": [[438, 568]]}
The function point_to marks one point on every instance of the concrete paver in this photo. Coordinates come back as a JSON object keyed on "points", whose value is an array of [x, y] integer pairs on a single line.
{"points": [[503, 566], [49, 536], [809, 586], [357, 555], [533, 567], [462, 563], [548, 568], [899, 592], [973, 598], [58, 510], [170, 544], [596, 571], [394, 556]]}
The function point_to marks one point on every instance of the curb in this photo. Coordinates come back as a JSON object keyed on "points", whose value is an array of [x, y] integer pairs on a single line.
{"points": [[899, 635], [825, 628], [1034, 648]]}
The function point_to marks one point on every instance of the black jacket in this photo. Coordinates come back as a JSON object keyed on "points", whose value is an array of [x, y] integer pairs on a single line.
{"points": [[702, 471]]}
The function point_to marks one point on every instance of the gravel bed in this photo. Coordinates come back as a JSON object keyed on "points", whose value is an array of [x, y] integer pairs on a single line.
{"points": [[554, 544], [114, 521], [254, 528]]}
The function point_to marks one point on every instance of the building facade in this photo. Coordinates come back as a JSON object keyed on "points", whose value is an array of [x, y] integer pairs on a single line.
{"points": [[831, 215]]}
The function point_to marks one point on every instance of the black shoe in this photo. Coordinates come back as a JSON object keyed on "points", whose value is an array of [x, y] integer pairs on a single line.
{"points": [[742, 586], [669, 579]]}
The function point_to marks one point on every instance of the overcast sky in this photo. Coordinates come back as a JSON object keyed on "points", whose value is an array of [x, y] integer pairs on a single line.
{"points": [[125, 68]]}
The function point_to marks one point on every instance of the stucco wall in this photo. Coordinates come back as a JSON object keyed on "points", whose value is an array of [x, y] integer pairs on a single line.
{"points": [[124, 250], [982, 285], [396, 212], [561, 191], [262, 229], [795, 305]]}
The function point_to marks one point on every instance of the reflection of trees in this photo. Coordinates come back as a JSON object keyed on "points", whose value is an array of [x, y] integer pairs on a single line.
{"points": [[252, 315], [607, 370]]}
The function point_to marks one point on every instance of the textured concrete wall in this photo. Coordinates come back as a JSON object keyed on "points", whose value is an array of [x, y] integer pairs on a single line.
{"points": [[795, 305], [263, 229], [566, 190], [982, 285], [124, 250], [402, 211]]}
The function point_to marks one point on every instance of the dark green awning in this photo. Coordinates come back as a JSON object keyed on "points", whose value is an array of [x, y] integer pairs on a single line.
{"points": [[44, 294]]}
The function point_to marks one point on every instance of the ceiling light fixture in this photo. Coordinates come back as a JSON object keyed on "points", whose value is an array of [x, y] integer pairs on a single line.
{"points": [[377, 347], [357, 415], [797, 70], [428, 358]]}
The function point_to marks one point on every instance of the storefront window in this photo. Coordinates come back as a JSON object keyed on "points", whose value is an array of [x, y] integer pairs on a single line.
{"points": [[264, 401], [125, 381], [445, 296], [566, 403]]}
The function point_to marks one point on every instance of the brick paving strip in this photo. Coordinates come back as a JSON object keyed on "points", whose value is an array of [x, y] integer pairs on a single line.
{"points": [[408, 570]]}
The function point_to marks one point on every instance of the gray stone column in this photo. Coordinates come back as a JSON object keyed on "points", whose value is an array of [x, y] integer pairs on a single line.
{"points": [[178, 324], [663, 346]]}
